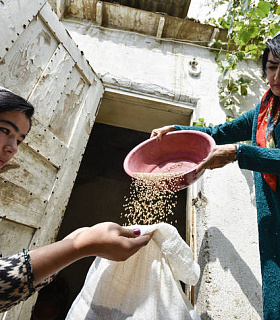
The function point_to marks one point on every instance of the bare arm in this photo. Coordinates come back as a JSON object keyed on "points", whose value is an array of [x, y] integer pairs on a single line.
{"points": [[107, 240]]}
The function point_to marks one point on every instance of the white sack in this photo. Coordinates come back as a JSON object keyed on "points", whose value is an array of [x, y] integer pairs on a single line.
{"points": [[145, 286]]}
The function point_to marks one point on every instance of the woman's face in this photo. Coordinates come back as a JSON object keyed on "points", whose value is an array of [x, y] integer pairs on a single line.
{"points": [[273, 74], [14, 126]]}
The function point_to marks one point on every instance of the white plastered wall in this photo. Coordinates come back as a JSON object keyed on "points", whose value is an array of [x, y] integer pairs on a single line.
{"points": [[223, 199]]}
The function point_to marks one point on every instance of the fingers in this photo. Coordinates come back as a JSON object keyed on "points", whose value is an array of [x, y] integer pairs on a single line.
{"points": [[218, 158], [133, 241], [209, 163], [132, 245], [130, 233], [158, 133], [205, 164], [153, 134], [141, 241], [133, 233], [199, 168]]}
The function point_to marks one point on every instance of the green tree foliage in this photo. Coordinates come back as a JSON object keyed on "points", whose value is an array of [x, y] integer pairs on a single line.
{"points": [[250, 24]]}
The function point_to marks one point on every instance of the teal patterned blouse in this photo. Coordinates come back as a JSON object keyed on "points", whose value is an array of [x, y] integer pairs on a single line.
{"points": [[260, 160]]}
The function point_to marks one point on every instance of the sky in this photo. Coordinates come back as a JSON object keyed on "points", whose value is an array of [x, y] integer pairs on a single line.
{"points": [[202, 10]]}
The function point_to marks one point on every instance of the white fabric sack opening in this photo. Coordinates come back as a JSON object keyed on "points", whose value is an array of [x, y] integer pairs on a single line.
{"points": [[145, 286]]}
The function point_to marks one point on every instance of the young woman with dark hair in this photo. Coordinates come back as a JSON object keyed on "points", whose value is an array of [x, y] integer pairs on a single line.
{"points": [[261, 126], [10, 101], [24, 273]]}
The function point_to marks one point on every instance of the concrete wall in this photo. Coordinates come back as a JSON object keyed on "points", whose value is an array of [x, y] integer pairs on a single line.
{"points": [[223, 199]]}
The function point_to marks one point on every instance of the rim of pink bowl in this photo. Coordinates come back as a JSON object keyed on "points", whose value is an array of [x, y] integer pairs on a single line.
{"points": [[140, 145]]}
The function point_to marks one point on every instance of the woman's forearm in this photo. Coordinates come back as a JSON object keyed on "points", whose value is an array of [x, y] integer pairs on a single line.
{"points": [[108, 240], [52, 258]]}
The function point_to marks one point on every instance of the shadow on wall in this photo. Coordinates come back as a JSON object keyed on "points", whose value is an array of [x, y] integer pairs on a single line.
{"points": [[229, 260], [248, 175], [205, 316]]}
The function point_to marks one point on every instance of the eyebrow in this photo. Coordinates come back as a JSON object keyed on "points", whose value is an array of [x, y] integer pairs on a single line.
{"points": [[13, 126], [273, 62]]}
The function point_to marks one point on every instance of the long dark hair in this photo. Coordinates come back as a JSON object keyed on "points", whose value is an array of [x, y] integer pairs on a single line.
{"points": [[10, 101], [272, 46]]}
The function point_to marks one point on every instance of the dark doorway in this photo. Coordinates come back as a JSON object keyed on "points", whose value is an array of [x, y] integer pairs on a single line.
{"points": [[97, 196]]}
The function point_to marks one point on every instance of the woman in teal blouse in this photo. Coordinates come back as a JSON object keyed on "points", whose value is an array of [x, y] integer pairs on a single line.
{"points": [[261, 126]]}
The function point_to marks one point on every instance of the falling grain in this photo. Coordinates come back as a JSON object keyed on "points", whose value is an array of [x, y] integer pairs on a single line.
{"points": [[152, 198]]}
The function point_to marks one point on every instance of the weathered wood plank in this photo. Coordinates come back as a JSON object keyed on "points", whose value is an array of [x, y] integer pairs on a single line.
{"points": [[91, 105], [20, 205], [12, 24], [26, 310], [31, 172], [46, 144], [27, 58], [45, 66], [75, 9], [21, 311], [50, 86], [142, 114], [69, 168], [13, 313], [14, 237], [68, 108], [47, 15]]}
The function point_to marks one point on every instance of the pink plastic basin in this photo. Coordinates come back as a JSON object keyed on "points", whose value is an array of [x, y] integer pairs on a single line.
{"points": [[178, 151]]}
